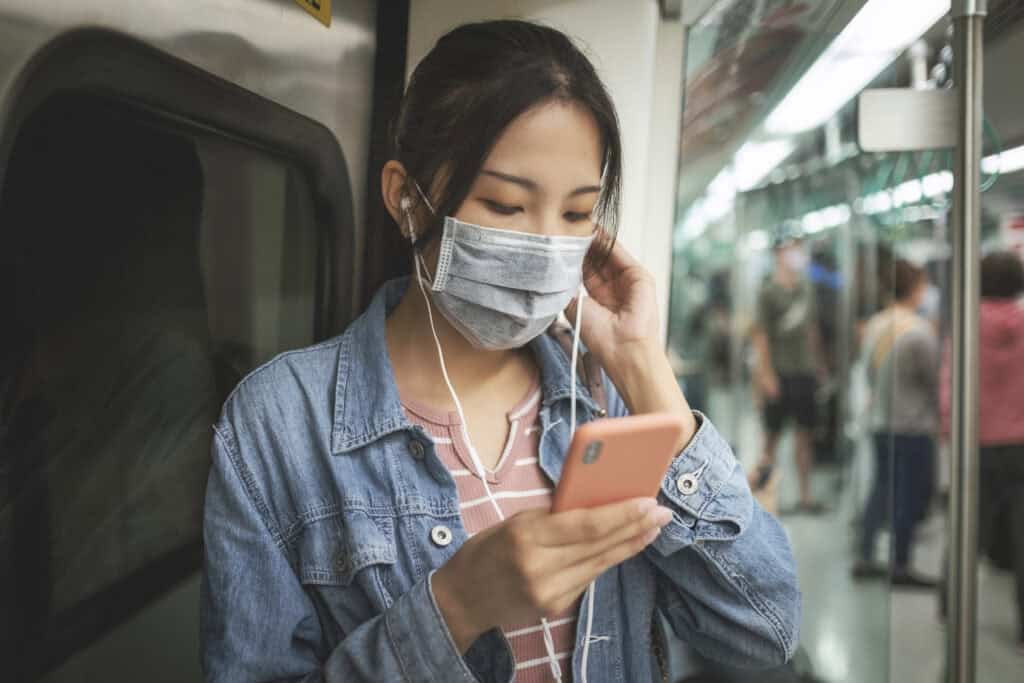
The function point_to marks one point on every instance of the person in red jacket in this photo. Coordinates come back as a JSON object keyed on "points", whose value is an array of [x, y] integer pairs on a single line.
{"points": [[1001, 416]]}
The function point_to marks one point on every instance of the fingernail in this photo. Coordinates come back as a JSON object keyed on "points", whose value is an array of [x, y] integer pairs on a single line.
{"points": [[661, 515], [651, 535], [645, 504]]}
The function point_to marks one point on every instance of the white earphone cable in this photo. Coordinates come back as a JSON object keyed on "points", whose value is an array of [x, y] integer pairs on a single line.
{"points": [[572, 431], [549, 645]]}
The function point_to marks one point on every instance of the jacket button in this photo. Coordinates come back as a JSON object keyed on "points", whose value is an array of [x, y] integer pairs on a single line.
{"points": [[441, 535], [686, 484], [416, 448]]}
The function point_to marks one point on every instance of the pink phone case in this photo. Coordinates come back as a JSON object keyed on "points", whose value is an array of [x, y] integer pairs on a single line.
{"points": [[617, 458]]}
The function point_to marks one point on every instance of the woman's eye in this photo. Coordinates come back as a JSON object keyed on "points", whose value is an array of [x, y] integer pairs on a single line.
{"points": [[501, 208], [576, 216]]}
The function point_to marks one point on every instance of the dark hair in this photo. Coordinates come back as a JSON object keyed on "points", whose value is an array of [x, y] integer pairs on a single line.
{"points": [[905, 279], [1002, 276], [475, 81]]}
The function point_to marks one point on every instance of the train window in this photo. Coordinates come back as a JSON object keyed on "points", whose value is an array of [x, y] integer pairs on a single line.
{"points": [[145, 267]]}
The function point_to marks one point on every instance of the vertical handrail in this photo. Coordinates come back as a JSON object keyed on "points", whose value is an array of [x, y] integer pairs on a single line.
{"points": [[968, 20]]}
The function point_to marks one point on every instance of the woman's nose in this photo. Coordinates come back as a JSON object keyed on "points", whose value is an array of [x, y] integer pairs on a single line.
{"points": [[551, 222]]}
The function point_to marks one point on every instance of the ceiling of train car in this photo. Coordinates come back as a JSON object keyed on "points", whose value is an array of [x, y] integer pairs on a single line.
{"points": [[742, 57], [717, 124], [1004, 97]]}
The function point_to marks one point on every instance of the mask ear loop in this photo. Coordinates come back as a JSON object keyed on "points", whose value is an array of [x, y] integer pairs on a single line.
{"points": [[406, 205]]}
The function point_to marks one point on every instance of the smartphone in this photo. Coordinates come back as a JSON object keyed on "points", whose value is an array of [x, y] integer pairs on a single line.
{"points": [[616, 458]]}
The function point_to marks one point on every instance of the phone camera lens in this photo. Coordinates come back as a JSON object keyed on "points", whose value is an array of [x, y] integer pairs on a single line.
{"points": [[592, 452]]}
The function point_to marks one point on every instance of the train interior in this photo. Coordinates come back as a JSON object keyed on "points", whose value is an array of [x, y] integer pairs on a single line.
{"points": [[178, 207]]}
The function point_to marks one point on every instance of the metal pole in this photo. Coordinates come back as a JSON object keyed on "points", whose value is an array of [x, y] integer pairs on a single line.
{"points": [[968, 20]]}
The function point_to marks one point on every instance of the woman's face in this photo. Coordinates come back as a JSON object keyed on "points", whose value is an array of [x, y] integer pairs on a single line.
{"points": [[542, 176]]}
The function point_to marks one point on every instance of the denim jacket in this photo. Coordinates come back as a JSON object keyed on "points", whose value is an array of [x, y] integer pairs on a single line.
{"points": [[321, 521]]}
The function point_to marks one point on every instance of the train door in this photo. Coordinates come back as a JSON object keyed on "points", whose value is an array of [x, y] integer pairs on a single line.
{"points": [[162, 233]]}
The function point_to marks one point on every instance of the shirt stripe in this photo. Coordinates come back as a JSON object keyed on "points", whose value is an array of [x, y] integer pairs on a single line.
{"points": [[540, 660], [503, 495], [535, 629]]}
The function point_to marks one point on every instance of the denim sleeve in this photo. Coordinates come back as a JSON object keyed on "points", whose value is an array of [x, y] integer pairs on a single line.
{"points": [[258, 624], [726, 577]]}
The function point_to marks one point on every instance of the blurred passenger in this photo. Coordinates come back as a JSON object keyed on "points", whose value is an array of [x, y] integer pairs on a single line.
{"points": [[720, 326], [828, 284], [901, 354], [787, 345], [1001, 418]]}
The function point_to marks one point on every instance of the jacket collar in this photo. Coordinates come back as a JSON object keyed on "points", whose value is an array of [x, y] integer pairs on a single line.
{"points": [[366, 403]]}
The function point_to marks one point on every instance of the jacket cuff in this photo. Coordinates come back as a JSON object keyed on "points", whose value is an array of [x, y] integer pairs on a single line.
{"points": [[706, 489], [421, 640]]}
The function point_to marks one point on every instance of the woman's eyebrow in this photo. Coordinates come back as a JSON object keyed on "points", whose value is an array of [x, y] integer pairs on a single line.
{"points": [[522, 182], [532, 186]]}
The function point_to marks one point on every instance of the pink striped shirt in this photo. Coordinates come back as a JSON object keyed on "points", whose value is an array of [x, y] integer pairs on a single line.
{"points": [[518, 484]]}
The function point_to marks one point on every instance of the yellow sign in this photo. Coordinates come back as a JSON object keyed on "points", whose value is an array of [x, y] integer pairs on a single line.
{"points": [[321, 9]]}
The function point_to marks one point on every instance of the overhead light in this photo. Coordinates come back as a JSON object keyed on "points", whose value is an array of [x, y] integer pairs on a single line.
{"points": [[937, 184], [1009, 161], [877, 35], [906, 193], [758, 240], [823, 219], [755, 160]]}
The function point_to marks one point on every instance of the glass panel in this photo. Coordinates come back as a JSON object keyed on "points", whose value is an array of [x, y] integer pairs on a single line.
{"points": [[145, 270], [763, 326], [810, 300]]}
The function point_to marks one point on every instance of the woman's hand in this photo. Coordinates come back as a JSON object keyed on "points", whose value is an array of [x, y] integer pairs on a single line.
{"points": [[620, 326], [621, 312], [536, 564]]}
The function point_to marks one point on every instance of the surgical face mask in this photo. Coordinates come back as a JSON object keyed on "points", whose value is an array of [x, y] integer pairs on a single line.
{"points": [[502, 288]]}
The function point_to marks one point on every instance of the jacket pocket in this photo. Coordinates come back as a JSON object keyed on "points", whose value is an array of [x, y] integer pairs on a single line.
{"points": [[346, 562]]}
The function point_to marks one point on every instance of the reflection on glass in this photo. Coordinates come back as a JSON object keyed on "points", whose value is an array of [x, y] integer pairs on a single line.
{"points": [[809, 311], [136, 299]]}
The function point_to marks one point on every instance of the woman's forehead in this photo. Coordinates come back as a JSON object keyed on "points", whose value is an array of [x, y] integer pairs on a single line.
{"points": [[553, 144]]}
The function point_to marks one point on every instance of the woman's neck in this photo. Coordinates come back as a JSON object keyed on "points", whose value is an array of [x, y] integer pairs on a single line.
{"points": [[472, 371]]}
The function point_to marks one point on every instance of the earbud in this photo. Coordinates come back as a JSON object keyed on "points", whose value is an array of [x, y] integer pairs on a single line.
{"points": [[406, 204]]}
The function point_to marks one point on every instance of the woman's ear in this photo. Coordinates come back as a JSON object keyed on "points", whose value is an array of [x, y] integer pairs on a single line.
{"points": [[393, 190]]}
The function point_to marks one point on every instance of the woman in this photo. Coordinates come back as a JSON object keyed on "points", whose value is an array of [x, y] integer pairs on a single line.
{"points": [[1001, 418], [377, 506], [901, 354]]}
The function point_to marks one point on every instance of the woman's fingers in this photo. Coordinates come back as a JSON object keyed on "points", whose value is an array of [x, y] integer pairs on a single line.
{"points": [[617, 279], [618, 260], [591, 524], [573, 580], [652, 524], [592, 540]]}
